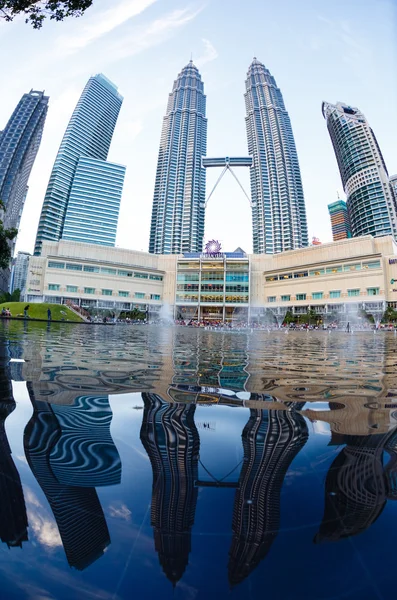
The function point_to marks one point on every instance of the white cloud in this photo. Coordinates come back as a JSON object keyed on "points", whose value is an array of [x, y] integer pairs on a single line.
{"points": [[45, 529], [121, 512], [105, 22], [151, 35], [209, 55]]}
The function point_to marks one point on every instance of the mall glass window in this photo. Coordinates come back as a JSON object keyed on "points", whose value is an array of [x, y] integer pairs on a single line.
{"points": [[108, 271], [271, 298], [55, 265], [335, 294], [54, 287], [285, 276], [301, 296], [355, 267], [317, 295], [272, 278], [336, 269], [123, 294], [285, 298], [375, 264], [316, 272], [71, 288], [107, 292], [123, 273], [140, 295], [373, 291], [74, 267], [141, 275], [301, 274], [355, 292], [154, 296], [156, 277], [91, 269], [88, 290]]}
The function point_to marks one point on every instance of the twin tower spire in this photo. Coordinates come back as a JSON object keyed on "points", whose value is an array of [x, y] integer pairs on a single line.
{"points": [[278, 207]]}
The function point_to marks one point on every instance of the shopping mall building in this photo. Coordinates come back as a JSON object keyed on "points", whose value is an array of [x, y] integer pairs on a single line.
{"points": [[339, 277]]}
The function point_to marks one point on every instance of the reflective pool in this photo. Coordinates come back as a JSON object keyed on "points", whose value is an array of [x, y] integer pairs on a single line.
{"points": [[146, 462]]}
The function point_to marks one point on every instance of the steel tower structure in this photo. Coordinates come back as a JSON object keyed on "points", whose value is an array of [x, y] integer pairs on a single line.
{"points": [[370, 200], [278, 206], [179, 195]]}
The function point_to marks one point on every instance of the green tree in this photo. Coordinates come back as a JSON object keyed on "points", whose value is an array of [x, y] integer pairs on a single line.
{"points": [[36, 11], [311, 315], [6, 236], [14, 297]]}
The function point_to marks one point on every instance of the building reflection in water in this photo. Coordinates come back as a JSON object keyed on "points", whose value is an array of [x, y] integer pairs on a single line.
{"points": [[13, 519], [271, 441], [171, 439], [70, 452], [358, 485]]}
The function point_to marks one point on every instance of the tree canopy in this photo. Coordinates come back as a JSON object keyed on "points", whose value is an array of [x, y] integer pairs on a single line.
{"points": [[6, 235], [36, 11]]}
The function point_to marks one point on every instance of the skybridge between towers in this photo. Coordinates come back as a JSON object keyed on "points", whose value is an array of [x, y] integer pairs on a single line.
{"points": [[227, 162]]}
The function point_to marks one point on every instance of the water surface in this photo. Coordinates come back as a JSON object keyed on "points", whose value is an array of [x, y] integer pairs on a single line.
{"points": [[147, 462]]}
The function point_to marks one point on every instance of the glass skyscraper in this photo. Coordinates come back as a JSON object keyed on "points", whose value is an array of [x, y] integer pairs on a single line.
{"points": [[179, 195], [278, 206], [19, 143], [88, 134], [339, 220], [93, 209], [370, 202]]}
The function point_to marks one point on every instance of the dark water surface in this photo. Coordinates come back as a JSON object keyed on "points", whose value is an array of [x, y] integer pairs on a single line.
{"points": [[175, 463]]}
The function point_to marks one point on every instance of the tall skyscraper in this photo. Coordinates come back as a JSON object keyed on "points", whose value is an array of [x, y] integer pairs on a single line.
{"points": [[93, 209], [370, 202], [339, 220], [179, 194], [19, 144], [393, 183], [88, 134], [278, 206]]}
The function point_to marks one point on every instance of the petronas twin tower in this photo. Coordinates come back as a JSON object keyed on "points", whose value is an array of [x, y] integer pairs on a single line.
{"points": [[277, 201]]}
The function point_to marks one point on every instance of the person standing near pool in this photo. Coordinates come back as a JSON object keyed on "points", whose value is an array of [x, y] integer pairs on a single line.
{"points": [[49, 314], [25, 312]]}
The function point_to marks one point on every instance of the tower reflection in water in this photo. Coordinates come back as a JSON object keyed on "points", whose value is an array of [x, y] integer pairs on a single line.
{"points": [[171, 439], [70, 452], [13, 519]]}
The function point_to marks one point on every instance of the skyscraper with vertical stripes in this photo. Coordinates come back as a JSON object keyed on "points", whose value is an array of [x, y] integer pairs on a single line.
{"points": [[339, 220], [179, 195], [88, 134], [278, 206]]}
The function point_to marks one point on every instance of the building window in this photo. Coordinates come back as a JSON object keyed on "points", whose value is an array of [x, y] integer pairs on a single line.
{"points": [[71, 288], [91, 269], [355, 292], [55, 265], [272, 278], [317, 295], [124, 273], [89, 290], [124, 294], [373, 291], [156, 277], [141, 275], [316, 272], [372, 265], [301, 296], [108, 271], [286, 298], [301, 274], [54, 287], [140, 295], [334, 294], [74, 267], [271, 298], [107, 292], [154, 296], [286, 276]]}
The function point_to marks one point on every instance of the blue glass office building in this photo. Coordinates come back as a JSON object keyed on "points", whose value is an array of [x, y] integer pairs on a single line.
{"points": [[94, 203], [179, 195], [278, 205], [88, 134], [370, 202]]}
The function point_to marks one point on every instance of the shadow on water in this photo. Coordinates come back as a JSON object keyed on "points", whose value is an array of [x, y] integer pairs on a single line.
{"points": [[246, 447]]}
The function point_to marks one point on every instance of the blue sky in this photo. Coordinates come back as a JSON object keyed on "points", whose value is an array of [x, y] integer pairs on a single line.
{"points": [[342, 50]]}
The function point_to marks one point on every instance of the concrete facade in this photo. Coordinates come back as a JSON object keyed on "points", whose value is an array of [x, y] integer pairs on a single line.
{"points": [[335, 277]]}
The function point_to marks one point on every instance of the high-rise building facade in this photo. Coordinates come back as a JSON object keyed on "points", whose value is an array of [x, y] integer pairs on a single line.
{"points": [[339, 220], [370, 202], [179, 195], [393, 183], [88, 134], [19, 272], [19, 143], [94, 203], [278, 205]]}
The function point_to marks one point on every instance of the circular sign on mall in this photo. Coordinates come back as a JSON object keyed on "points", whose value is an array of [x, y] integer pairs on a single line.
{"points": [[213, 247]]}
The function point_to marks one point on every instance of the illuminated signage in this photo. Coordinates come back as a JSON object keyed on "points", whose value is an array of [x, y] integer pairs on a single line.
{"points": [[392, 261], [213, 250]]}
